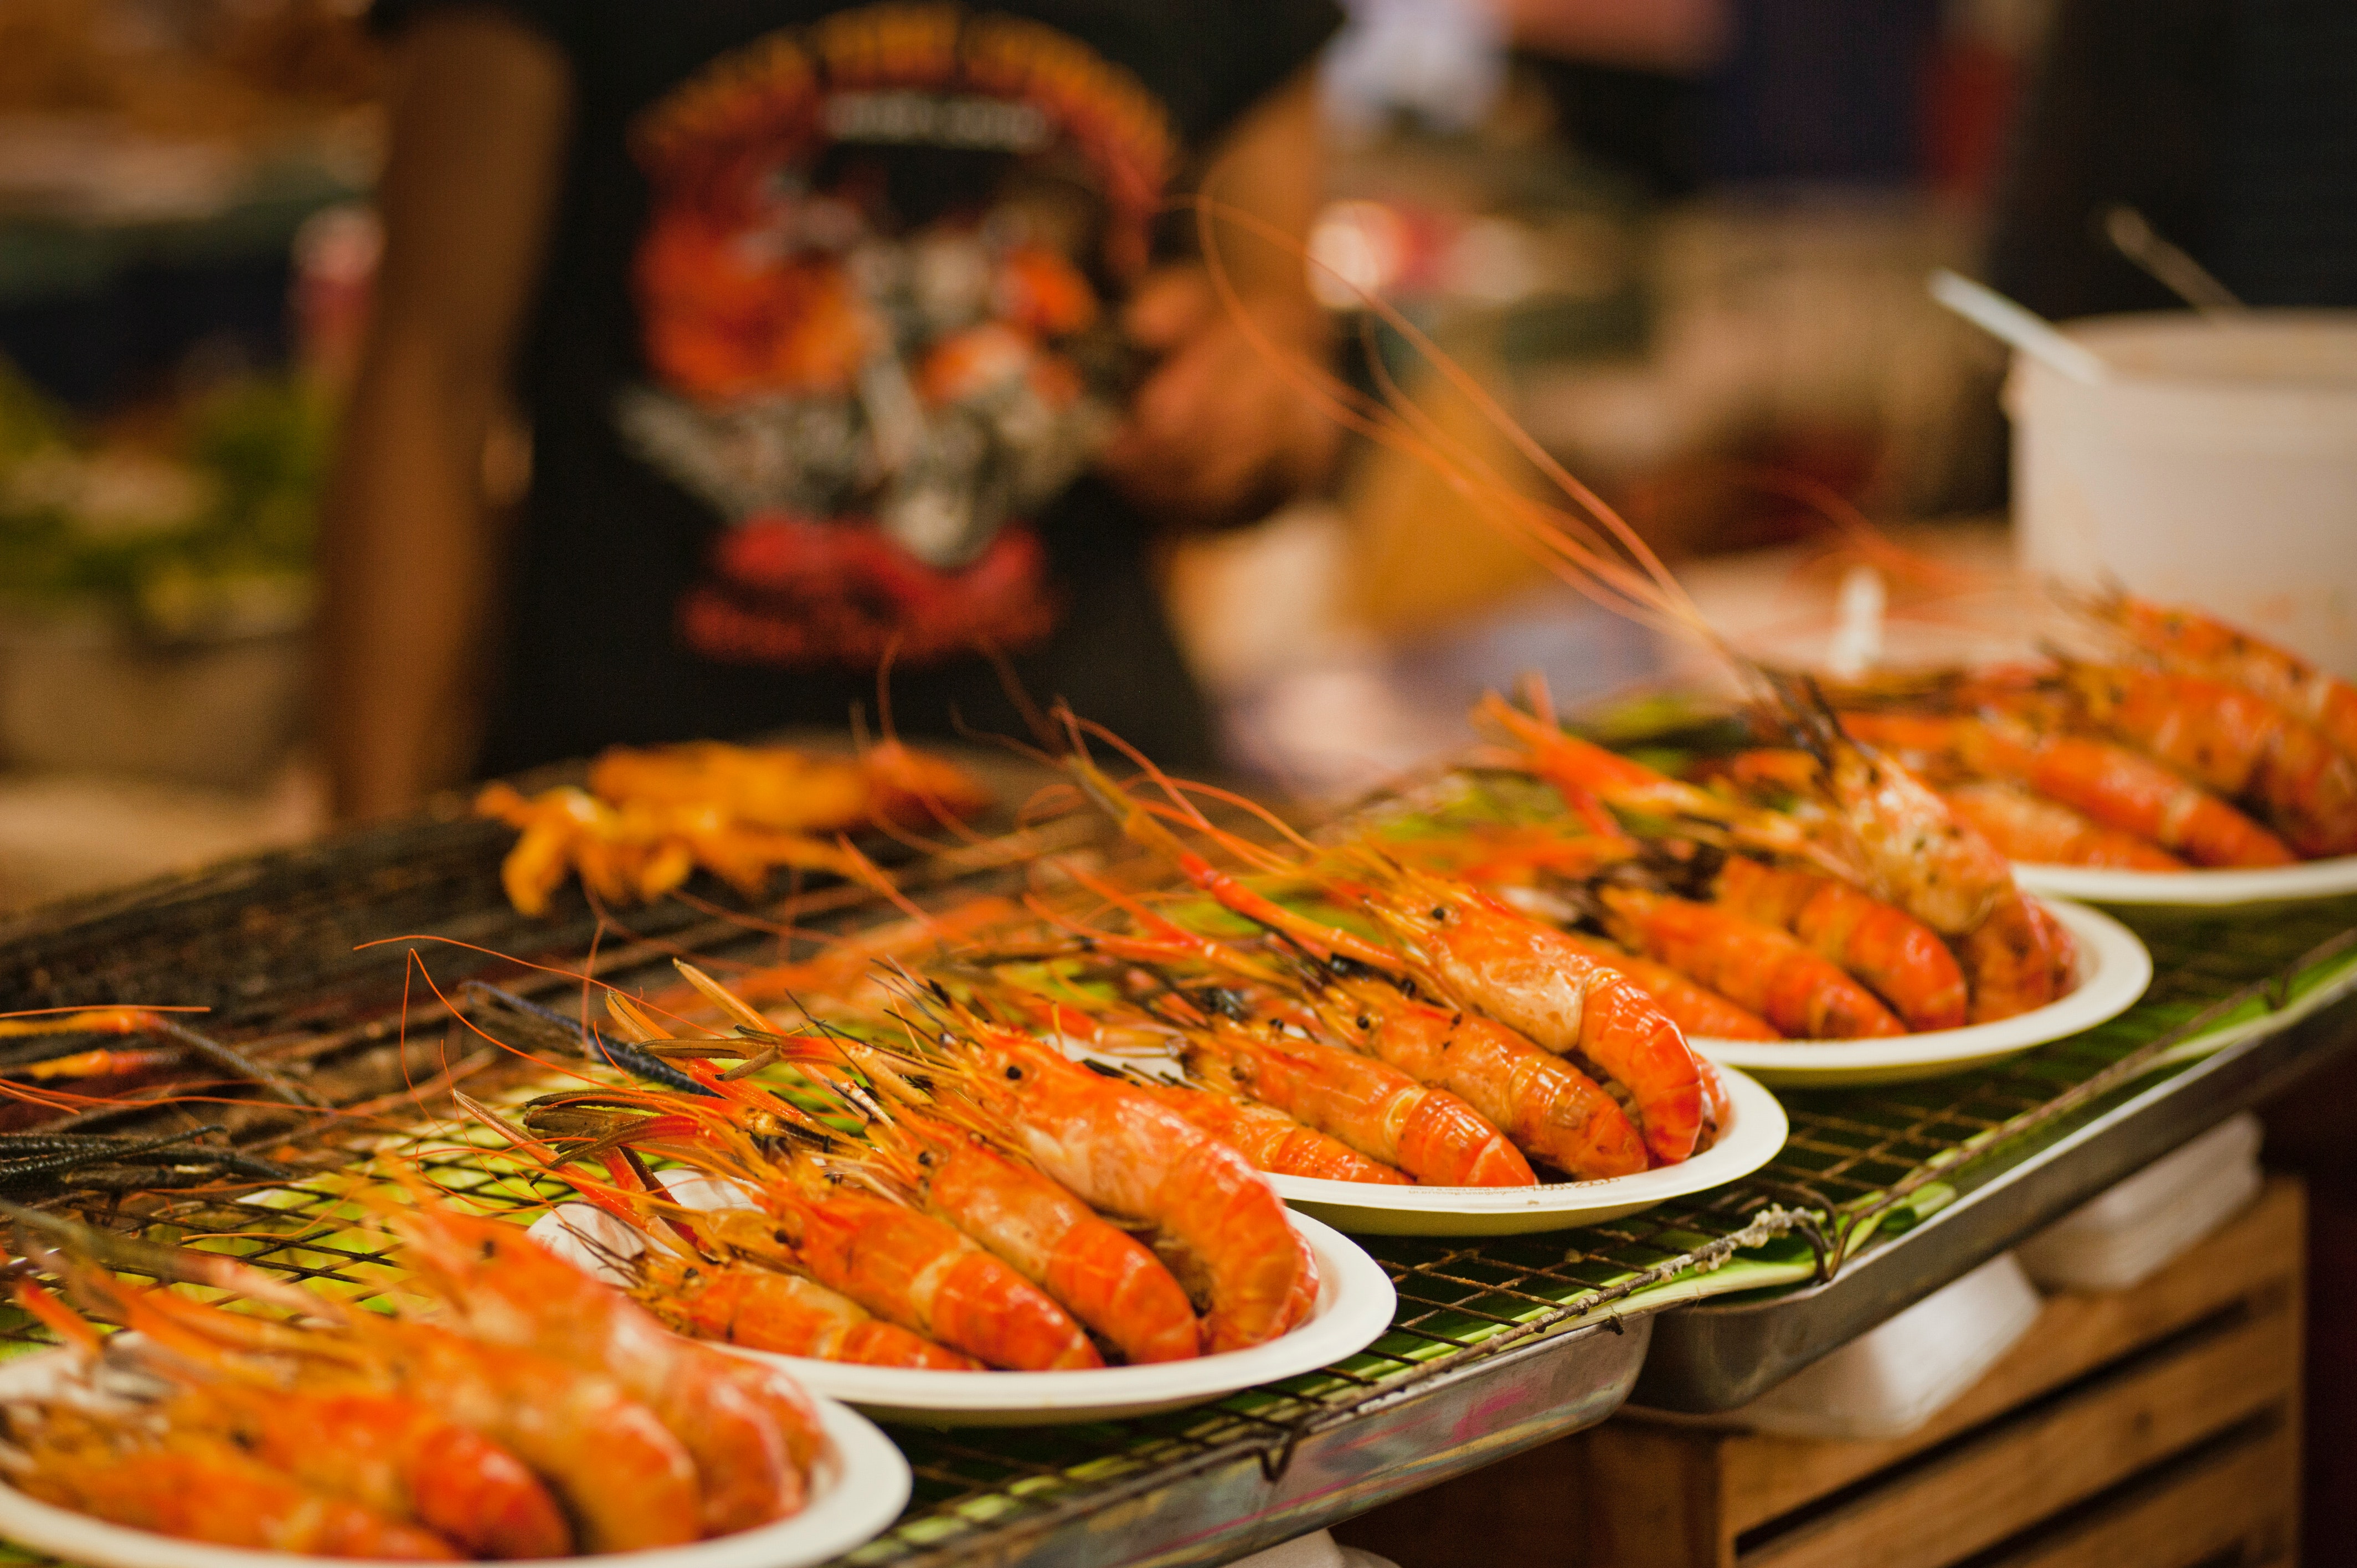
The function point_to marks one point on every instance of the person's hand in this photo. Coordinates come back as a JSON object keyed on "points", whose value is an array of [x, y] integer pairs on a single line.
{"points": [[1218, 434]]}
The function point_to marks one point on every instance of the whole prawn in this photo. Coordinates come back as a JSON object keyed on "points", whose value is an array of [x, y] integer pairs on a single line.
{"points": [[624, 1479], [1551, 1110], [2193, 643], [396, 1458], [1270, 1139], [1468, 946], [1123, 1152], [2113, 785], [2028, 827], [2235, 742], [767, 1309], [1429, 1135], [1760, 967], [1898, 958]]}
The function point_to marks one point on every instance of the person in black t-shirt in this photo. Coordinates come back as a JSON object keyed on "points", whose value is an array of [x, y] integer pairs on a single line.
{"points": [[847, 336]]}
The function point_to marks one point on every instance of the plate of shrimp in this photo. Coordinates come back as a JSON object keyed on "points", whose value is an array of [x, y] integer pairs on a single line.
{"points": [[2111, 972], [530, 1412], [938, 1215], [2191, 762], [1353, 1307]]}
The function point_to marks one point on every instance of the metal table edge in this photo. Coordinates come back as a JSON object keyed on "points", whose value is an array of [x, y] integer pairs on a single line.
{"points": [[1241, 1497], [1712, 1356]]}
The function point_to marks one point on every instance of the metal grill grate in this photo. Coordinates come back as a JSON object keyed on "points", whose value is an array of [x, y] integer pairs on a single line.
{"points": [[1458, 1301]]}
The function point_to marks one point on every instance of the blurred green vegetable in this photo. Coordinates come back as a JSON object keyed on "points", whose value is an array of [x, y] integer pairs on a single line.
{"points": [[201, 533]]}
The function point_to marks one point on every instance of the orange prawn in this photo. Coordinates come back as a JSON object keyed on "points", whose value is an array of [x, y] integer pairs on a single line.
{"points": [[2192, 644], [1101, 1274], [750, 1438], [393, 1456], [1799, 991], [2113, 785], [2024, 826], [1693, 1007], [1551, 1110], [200, 1487], [1123, 1152], [1478, 951], [1427, 1134], [1270, 1139], [2235, 742], [765, 1309], [626, 1481], [916, 1271], [1897, 957]]}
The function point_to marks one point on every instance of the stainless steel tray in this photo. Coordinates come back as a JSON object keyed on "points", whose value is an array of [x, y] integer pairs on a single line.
{"points": [[1720, 1354]]}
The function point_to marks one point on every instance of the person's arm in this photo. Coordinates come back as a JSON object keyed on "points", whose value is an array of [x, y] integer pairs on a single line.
{"points": [[408, 563], [1216, 434]]}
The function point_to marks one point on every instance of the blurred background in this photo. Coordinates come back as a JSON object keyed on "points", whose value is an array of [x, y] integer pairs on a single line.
{"points": [[1680, 251]]}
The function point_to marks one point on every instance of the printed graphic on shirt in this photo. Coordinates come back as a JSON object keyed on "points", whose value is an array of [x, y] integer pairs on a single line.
{"points": [[874, 293]]}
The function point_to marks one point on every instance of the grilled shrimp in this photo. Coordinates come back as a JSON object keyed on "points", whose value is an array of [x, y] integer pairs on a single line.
{"points": [[1270, 1139], [624, 1479], [392, 1456], [1428, 1133], [1799, 991], [1693, 1007], [2238, 744], [202, 1487], [1896, 956], [1582, 770], [2192, 644], [913, 1269], [2015, 956], [763, 1309], [1527, 976], [1122, 1152], [2113, 785], [1551, 1110], [2025, 826], [749, 1446], [1478, 952], [1101, 1274]]}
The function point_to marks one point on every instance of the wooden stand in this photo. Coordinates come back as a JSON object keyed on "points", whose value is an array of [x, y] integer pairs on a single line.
{"points": [[2157, 1428]]}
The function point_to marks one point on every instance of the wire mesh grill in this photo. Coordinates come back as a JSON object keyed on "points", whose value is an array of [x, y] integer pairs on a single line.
{"points": [[1458, 1301]]}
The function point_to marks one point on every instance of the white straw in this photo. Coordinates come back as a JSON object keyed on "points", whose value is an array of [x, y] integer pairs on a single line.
{"points": [[2030, 333]]}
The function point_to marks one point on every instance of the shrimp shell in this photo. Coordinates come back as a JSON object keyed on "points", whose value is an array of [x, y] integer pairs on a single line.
{"points": [[2111, 784], [1529, 977], [1551, 1110], [392, 1456], [1124, 1153], [1896, 956], [1693, 1007], [1797, 990], [2192, 644], [1270, 1139], [202, 1489], [1102, 1275], [749, 1452], [2236, 743], [913, 1269], [2025, 826], [763, 1309], [1428, 1133]]}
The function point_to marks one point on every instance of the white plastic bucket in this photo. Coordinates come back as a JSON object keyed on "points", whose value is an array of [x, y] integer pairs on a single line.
{"points": [[2218, 467]]}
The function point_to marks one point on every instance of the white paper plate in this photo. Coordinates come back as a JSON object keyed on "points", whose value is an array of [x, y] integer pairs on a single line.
{"points": [[1354, 1306], [2114, 970], [858, 1487], [1756, 1131], [2274, 883]]}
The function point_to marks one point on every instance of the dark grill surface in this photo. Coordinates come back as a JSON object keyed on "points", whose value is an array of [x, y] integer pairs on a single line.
{"points": [[270, 944]]}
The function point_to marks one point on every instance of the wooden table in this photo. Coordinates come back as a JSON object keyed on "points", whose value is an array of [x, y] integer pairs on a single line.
{"points": [[2157, 1428]]}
